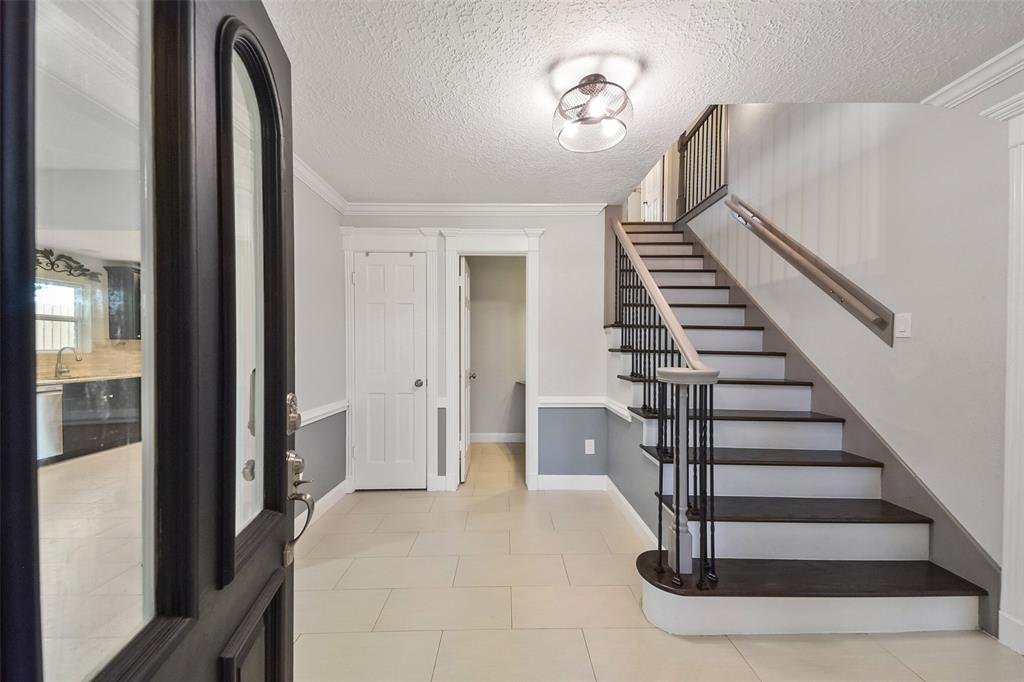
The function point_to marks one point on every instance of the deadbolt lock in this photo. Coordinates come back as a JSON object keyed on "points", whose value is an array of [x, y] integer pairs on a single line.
{"points": [[294, 416]]}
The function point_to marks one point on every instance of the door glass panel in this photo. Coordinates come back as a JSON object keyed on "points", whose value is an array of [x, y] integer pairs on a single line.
{"points": [[249, 367], [94, 364]]}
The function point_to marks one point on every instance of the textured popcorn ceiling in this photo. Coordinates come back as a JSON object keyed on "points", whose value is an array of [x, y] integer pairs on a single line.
{"points": [[451, 100]]}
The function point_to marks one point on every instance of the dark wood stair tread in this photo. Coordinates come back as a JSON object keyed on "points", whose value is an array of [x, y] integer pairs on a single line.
{"points": [[750, 327], [808, 510], [759, 353], [772, 457], [774, 416], [814, 578], [679, 286], [727, 382], [689, 305], [680, 269]]}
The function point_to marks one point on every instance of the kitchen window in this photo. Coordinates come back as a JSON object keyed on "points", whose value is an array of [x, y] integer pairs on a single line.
{"points": [[61, 314]]}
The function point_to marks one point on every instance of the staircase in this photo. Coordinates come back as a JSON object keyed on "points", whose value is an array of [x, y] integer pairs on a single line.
{"points": [[800, 538]]}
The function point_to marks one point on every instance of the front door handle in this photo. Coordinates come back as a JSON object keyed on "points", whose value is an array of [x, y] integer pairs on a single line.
{"points": [[296, 466]]}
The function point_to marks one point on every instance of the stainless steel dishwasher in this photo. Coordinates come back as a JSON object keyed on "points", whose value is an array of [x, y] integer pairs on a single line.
{"points": [[49, 420]]}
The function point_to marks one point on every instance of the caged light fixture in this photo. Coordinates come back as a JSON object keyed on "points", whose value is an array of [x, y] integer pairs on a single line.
{"points": [[593, 116]]}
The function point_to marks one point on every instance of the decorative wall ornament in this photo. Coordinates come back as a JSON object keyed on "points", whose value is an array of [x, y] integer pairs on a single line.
{"points": [[46, 259]]}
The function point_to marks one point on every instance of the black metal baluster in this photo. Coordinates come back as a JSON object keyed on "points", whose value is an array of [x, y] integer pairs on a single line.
{"points": [[713, 572]]}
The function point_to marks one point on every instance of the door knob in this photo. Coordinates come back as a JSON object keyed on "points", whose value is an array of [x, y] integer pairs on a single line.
{"points": [[418, 383]]}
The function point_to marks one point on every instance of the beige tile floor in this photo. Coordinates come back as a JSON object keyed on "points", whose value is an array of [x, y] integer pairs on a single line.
{"points": [[90, 546], [493, 582]]}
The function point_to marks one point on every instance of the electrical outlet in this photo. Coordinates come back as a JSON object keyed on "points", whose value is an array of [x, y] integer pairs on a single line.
{"points": [[901, 326], [588, 446]]}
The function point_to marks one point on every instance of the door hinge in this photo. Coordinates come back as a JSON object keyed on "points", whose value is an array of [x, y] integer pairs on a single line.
{"points": [[353, 278]]}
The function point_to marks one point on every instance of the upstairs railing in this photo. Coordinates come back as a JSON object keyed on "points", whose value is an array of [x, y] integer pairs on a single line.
{"points": [[703, 162], [678, 391]]}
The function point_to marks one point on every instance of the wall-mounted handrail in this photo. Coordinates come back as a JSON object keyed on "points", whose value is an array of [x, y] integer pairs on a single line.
{"points": [[872, 313], [695, 372]]}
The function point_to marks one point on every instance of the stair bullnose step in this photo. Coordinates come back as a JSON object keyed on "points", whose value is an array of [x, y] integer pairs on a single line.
{"points": [[773, 457], [813, 578], [808, 510]]}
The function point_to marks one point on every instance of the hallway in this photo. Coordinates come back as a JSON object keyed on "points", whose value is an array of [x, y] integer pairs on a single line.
{"points": [[497, 583]]}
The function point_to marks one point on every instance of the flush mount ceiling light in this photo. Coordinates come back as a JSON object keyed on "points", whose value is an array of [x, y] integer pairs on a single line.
{"points": [[593, 116]]}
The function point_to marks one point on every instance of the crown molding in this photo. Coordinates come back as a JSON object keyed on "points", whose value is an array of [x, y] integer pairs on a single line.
{"points": [[385, 209], [310, 178], [313, 180], [1007, 109], [976, 81]]}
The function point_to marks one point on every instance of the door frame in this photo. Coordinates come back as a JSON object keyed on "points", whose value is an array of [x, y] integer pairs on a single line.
{"points": [[465, 353], [391, 240], [459, 242], [185, 348]]}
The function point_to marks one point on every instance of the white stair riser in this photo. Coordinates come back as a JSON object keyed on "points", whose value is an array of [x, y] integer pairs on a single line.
{"points": [[743, 397], [726, 339], [747, 366], [712, 339], [732, 317], [772, 435], [695, 279], [664, 249], [640, 238], [836, 541], [673, 263], [756, 480], [696, 295], [755, 397], [684, 615]]}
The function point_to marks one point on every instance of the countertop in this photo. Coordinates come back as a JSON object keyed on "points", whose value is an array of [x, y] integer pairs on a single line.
{"points": [[83, 379]]}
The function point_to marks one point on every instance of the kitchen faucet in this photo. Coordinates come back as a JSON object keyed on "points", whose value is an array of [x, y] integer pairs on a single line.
{"points": [[60, 370]]}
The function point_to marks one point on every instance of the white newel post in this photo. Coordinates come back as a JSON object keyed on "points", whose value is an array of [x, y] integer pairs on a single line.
{"points": [[1011, 610]]}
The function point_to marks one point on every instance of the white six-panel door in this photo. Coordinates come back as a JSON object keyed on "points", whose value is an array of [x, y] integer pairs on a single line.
{"points": [[390, 410]]}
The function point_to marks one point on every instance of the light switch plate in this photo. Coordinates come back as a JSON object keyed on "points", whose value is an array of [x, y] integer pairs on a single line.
{"points": [[901, 326], [588, 446]]}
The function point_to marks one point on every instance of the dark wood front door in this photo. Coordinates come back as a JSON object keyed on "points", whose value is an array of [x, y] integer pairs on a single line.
{"points": [[213, 350]]}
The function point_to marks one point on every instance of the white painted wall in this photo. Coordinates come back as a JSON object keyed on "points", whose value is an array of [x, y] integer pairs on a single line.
{"points": [[319, 302], [498, 344], [910, 202], [571, 255]]}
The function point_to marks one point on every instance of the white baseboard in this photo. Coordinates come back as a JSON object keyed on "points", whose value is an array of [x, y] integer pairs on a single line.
{"points": [[324, 504], [1011, 631], [632, 516], [572, 482], [497, 438], [441, 483]]}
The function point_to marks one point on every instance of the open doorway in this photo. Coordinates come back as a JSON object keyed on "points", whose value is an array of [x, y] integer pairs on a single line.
{"points": [[492, 326]]}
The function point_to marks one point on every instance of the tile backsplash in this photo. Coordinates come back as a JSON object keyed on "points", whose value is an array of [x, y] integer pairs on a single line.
{"points": [[101, 355]]}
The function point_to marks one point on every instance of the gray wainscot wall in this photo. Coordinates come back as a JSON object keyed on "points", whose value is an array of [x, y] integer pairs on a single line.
{"points": [[560, 435], [322, 445]]}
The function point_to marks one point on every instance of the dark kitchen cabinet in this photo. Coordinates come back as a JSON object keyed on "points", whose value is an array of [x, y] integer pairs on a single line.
{"points": [[99, 415], [123, 302]]}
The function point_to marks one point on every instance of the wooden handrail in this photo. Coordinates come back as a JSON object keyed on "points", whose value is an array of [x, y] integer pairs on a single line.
{"points": [[695, 372], [872, 313]]}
